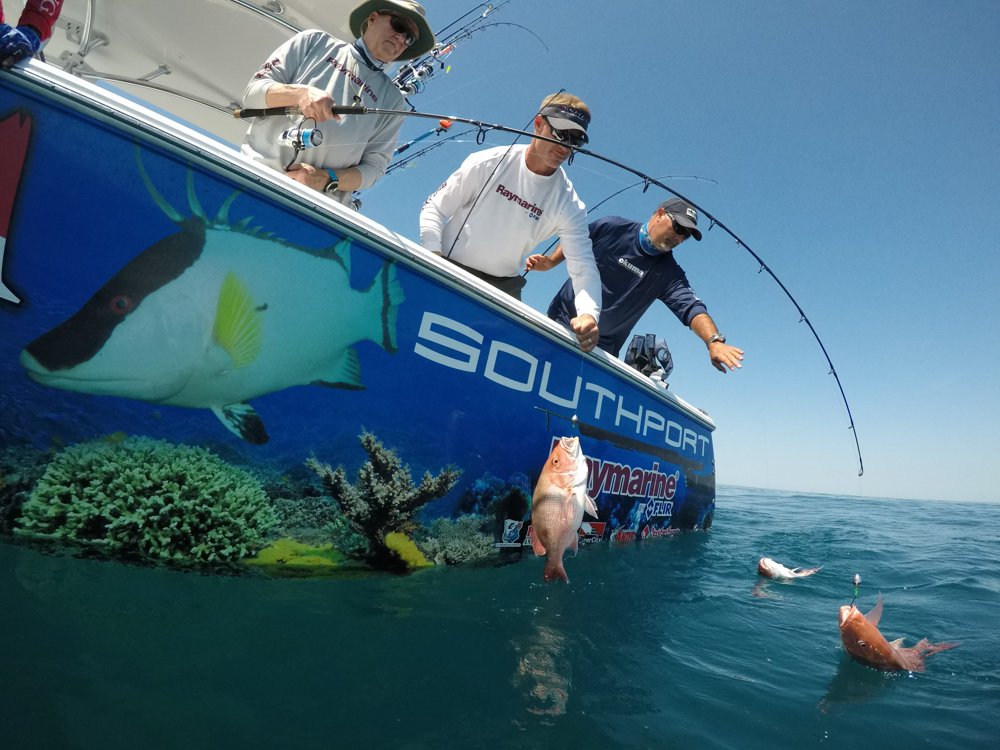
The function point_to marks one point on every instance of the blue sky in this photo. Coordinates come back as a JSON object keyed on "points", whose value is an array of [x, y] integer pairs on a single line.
{"points": [[852, 145]]}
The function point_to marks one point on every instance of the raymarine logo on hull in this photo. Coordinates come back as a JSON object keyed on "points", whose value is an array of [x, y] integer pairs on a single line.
{"points": [[631, 267]]}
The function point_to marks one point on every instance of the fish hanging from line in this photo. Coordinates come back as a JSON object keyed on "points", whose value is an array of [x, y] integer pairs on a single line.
{"points": [[218, 314], [866, 644], [771, 569], [558, 505]]}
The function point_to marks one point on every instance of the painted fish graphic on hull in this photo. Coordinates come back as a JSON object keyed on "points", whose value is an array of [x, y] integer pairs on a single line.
{"points": [[558, 504], [213, 316], [772, 569], [863, 641]]}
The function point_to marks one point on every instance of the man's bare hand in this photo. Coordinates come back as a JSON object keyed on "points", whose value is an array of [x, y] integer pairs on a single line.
{"points": [[586, 330]]}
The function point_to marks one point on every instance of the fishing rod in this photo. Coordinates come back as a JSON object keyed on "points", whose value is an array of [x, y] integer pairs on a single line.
{"points": [[413, 75], [410, 158], [645, 179], [626, 189], [442, 127]]}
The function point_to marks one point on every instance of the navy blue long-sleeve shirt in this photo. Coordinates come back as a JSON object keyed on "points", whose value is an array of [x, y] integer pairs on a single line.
{"points": [[631, 281]]}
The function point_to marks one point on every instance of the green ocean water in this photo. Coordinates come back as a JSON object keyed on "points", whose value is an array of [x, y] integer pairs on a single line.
{"points": [[671, 643]]}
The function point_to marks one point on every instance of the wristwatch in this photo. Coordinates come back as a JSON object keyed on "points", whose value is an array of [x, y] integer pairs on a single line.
{"points": [[333, 184], [715, 337]]}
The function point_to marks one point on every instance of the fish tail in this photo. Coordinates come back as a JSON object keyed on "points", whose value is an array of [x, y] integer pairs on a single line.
{"points": [[933, 648], [390, 294], [554, 570]]}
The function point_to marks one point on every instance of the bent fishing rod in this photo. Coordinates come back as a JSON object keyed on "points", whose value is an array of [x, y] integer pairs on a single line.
{"points": [[645, 179]]}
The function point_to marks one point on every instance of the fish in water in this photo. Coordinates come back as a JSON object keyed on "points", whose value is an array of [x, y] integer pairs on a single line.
{"points": [[772, 569], [863, 641], [215, 315], [558, 505]]}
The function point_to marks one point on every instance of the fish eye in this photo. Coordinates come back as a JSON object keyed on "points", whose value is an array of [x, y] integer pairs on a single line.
{"points": [[121, 304], [862, 644]]}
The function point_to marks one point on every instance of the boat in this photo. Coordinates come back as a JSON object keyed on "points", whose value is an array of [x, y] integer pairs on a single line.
{"points": [[208, 364]]}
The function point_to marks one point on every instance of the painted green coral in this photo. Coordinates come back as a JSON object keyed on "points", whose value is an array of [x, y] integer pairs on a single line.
{"points": [[151, 498], [463, 541], [384, 498]]}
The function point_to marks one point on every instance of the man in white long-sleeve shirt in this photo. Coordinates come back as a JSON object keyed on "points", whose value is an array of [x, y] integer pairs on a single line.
{"points": [[315, 71], [495, 209]]}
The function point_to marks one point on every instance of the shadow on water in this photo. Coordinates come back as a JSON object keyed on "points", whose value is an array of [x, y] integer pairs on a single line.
{"points": [[854, 683]]}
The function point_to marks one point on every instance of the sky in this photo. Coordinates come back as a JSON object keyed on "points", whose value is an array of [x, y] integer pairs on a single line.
{"points": [[853, 145]]}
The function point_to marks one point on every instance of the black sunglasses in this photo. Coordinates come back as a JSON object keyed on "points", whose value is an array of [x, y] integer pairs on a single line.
{"points": [[570, 137], [682, 230], [399, 26]]}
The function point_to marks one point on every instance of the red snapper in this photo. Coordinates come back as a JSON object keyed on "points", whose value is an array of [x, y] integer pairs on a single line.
{"points": [[863, 641], [558, 505]]}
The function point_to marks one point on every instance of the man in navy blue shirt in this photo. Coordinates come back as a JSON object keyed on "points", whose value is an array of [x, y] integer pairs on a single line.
{"points": [[637, 267]]}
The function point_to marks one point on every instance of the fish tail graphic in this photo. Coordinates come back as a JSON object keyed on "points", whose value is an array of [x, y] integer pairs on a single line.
{"points": [[15, 132], [388, 288]]}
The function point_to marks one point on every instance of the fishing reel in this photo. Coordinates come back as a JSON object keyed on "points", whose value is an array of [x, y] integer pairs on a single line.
{"points": [[300, 138], [410, 79]]}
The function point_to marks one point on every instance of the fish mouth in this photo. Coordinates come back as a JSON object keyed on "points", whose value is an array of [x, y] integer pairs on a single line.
{"points": [[95, 385], [845, 613]]}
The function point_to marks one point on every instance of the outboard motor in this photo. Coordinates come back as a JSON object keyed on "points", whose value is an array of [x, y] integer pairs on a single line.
{"points": [[650, 356]]}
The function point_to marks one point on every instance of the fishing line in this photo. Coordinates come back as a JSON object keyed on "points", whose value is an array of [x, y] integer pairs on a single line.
{"points": [[803, 318], [624, 189], [486, 183]]}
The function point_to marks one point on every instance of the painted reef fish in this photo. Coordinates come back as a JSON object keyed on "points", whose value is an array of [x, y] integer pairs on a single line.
{"points": [[215, 315], [558, 505], [772, 569], [863, 641]]}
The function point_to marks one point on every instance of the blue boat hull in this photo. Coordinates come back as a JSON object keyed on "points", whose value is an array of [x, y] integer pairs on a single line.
{"points": [[443, 371]]}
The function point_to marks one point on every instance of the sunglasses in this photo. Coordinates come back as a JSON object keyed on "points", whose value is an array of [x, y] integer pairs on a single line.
{"points": [[400, 26], [680, 229], [569, 137]]}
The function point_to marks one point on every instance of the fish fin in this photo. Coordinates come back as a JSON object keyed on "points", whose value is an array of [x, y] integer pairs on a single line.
{"points": [[898, 643], [554, 570], [536, 544], [342, 253], [347, 373], [876, 614], [574, 545], [588, 505], [243, 421], [390, 291], [237, 326]]}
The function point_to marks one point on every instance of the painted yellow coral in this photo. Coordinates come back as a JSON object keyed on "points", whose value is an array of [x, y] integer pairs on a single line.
{"points": [[295, 558], [403, 546]]}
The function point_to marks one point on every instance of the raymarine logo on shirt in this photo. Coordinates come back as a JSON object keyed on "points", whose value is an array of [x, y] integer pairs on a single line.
{"points": [[631, 267], [534, 212]]}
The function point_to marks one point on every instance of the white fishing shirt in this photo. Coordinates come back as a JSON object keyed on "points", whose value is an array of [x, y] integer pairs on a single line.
{"points": [[517, 210], [317, 59]]}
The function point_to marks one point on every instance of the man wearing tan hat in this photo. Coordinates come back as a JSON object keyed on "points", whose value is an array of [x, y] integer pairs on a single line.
{"points": [[315, 71], [637, 268]]}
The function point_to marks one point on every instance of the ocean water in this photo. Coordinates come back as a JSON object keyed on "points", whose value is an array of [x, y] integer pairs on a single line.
{"points": [[672, 643]]}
